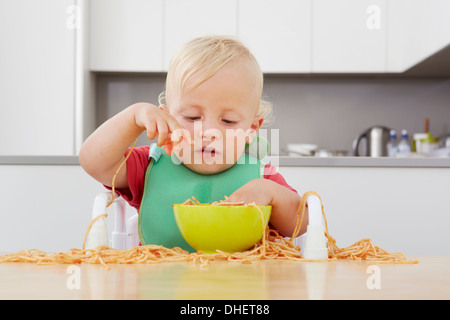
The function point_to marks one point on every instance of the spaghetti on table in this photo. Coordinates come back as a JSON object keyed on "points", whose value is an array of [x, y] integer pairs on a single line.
{"points": [[271, 246]]}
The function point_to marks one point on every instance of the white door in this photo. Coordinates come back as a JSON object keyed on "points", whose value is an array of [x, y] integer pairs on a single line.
{"points": [[37, 78]]}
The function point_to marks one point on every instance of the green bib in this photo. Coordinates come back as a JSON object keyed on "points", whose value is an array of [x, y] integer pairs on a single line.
{"points": [[168, 183]]}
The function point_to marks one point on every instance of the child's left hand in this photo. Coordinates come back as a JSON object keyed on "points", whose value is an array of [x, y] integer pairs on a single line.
{"points": [[257, 191], [284, 202]]}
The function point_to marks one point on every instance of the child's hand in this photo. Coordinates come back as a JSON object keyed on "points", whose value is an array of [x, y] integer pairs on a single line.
{"points": [[284, 202], [257, 191], [160, 124]]}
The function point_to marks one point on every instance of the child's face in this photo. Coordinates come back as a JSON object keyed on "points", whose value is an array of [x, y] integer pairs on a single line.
{"points": [[221, 115]]}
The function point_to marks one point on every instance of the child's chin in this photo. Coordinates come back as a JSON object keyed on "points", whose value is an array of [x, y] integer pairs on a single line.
{"points": [[208, 168]]}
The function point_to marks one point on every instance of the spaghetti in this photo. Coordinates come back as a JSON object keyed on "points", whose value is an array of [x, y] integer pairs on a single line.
{"points": [[271, 246]]}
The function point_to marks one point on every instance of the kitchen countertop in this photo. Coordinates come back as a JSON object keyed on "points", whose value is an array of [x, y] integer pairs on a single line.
{"points": [[283, 161], [419, 162], [267, 279]]}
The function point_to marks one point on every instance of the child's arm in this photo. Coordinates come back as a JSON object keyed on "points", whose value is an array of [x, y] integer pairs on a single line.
{"points": [[284, 203], [103, 152]]}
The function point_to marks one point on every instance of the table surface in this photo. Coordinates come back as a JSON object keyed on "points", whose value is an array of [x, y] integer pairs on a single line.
{"points": [[267, 279]]}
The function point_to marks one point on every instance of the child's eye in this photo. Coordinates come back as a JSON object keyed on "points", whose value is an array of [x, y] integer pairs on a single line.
{"points": [[229, 121], [192, 118]]}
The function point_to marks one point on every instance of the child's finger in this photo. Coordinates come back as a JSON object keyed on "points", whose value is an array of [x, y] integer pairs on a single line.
{"points": [[179, 133], [163, 133], [187, 136], [151, 130], [169, 148]]}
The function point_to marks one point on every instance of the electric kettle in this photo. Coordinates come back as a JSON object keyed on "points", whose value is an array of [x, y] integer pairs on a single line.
{"points": [[376, 138]]}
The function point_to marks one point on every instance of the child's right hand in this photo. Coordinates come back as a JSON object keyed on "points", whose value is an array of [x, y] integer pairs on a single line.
{"points": [[159, 123]]}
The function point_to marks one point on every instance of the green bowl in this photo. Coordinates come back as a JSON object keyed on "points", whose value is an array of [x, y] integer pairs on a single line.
{"points": [[226, 228]]}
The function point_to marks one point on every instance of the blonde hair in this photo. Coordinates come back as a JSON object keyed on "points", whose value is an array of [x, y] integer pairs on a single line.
{"points": [[203, 57]]}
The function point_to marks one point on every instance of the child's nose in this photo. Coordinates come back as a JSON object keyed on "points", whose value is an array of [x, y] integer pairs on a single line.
{"points": [[207, 129], [212, 134]]}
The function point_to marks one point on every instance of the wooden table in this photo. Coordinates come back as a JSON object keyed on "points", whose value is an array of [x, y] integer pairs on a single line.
{"points": [[430, 279]]}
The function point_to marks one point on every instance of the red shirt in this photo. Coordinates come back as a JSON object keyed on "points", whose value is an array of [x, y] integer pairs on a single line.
{"points": [[137, 165]]}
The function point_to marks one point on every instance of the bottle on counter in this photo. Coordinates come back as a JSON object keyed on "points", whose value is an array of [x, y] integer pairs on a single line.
{"points": [[403, 148], [391, 146], [417, 142]]}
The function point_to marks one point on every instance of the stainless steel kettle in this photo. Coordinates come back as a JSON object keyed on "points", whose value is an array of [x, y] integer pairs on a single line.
{"points": [[376, 139]]}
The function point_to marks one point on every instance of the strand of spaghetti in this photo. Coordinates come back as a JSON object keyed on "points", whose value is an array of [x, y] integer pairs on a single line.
{"points": [[263, 244], [301, 212], [196, 200], [228, 203], [113, 185], [225, 202], [104, 215]]}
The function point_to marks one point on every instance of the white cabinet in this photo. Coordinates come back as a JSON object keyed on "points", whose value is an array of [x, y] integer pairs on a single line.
{"points": [[53, 213], [278, 32], [37, 78], [349, 36], [185, 20], [126, 35], [417, 29], [395, 207], [286, 36], [143, 35]]}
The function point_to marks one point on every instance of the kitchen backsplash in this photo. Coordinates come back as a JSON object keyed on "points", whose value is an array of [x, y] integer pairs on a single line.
{"points": [[329, 111]]}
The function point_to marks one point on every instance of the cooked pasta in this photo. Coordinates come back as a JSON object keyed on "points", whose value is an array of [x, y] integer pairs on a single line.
{"points": [[271, 246]]}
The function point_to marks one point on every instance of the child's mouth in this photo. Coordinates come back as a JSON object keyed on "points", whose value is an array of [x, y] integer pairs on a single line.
{"points": [[208, 152]]}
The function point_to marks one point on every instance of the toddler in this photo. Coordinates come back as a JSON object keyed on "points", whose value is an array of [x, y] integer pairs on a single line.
{"points": [[212, 108]]}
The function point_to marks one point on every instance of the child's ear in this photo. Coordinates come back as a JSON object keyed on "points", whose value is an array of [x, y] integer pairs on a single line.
{"points": [[254, 127], [257, 122]]}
